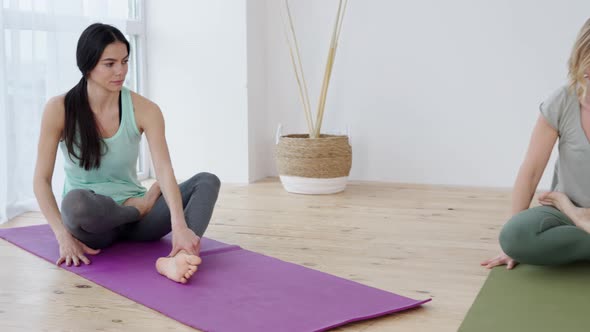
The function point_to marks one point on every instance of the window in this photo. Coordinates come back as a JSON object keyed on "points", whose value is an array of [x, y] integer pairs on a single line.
{"points": [[38, 40]]}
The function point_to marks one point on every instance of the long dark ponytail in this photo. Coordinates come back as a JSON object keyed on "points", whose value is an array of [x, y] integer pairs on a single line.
{"points": [[80, 131]]}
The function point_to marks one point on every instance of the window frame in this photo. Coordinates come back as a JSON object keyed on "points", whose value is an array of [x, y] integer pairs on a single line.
{"points": [[16, 19]]}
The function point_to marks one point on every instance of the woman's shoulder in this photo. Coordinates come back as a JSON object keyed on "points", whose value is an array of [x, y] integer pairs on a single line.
{"points": [[561, 93], [54, 114], [564, 94], [559, 99], [56, 105], [56, 101], [142, 104], [558, 107], [146, 111]]}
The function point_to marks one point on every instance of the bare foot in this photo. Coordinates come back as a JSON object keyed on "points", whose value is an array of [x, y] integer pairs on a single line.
{"points": [[179, 268], [580, 216], [146, 203]]}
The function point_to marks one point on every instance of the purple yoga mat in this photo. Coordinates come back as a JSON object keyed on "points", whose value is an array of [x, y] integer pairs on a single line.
{"points": [[234, 290]]}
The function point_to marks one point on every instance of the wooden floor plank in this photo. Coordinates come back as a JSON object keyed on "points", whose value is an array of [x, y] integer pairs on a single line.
{"points": [[415, 240]]}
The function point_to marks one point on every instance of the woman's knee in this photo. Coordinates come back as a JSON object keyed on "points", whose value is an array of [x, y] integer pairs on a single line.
{"points": [[76, 204], [209, 179], [515, 237]]}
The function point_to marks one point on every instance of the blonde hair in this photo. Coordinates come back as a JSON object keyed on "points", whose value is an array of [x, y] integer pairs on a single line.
{"points": [[579, 63]]}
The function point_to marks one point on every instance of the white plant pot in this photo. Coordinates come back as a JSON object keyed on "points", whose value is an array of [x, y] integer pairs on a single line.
{"points": [[313, 186]]}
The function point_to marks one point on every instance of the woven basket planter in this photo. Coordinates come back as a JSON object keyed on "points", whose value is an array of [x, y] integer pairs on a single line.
{"points": [[313, 166]]}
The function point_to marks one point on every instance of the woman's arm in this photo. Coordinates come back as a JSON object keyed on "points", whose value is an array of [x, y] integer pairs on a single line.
{"points": [[539, 151], [151, 121], [52, 125], [541, 144], [71, 251]]}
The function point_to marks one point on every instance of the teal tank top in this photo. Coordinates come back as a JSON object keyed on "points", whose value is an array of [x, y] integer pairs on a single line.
{"points": [[117, 175]]}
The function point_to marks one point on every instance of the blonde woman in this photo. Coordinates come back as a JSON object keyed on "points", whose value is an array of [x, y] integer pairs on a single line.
{"points": [[558, 231]]}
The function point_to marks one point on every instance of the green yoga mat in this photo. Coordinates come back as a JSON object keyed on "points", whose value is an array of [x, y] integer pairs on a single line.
{"points": [[532, 299]]}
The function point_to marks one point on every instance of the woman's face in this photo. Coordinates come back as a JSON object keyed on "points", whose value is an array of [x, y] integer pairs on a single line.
{"points": [[111, 69]]}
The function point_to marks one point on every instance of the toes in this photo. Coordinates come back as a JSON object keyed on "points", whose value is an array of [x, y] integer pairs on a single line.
{"points": [[183, 280], [192, 268], [188, 275]]}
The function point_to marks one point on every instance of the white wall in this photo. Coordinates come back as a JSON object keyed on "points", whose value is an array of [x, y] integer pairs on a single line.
{"points": [[260, 162], [196, 73], [433, 92], [442, 92]]}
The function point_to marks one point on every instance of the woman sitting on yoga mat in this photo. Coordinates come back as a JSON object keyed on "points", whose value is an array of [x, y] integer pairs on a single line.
{"points": [[98, 126], [558, 231]]}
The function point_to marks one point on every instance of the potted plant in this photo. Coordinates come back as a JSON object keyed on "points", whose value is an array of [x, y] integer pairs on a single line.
{"points": [[313, 163]]}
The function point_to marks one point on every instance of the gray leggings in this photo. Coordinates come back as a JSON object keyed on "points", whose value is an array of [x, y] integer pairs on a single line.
{"points": [[543, 235], [98, 221]]}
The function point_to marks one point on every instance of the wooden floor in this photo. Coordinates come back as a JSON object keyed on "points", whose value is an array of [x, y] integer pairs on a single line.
{"points": [[415, 240]]}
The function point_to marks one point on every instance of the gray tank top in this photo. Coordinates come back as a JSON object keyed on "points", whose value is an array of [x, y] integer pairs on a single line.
{"points": [[572, 168]]}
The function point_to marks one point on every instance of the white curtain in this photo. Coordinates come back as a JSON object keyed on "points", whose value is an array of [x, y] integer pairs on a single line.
{"points": [[37, 61]]}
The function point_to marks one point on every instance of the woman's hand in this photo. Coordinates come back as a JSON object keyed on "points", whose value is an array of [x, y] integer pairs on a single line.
{"points": [[71, 250], [501, 259], [185, 239]]}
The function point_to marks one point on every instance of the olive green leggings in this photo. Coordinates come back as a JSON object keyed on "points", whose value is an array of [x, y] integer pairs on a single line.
{"points": [[543, 235]]}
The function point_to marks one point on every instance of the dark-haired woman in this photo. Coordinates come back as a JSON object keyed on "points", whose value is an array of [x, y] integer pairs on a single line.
{"points": [[98, 126]]}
